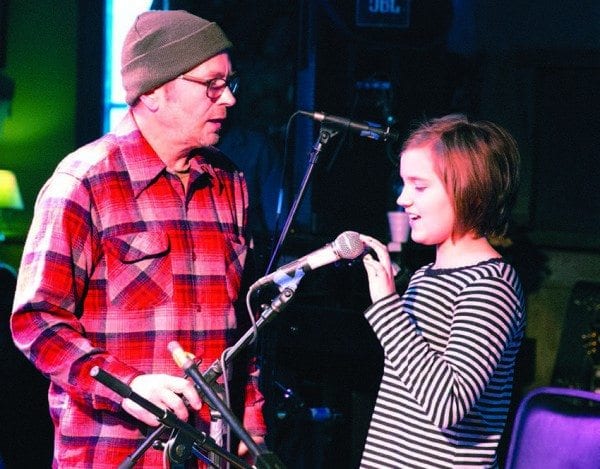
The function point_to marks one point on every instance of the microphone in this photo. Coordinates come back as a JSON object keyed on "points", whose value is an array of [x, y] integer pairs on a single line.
{"points": [[364, 129], [346, 246]]}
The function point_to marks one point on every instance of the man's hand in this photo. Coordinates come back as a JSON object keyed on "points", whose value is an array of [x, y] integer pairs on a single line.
{"points": [[165, 391]]}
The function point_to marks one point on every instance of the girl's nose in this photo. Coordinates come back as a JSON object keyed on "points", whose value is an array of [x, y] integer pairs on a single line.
{"points": [[403, 199]]}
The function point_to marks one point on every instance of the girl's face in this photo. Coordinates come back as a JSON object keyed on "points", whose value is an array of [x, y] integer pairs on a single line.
{"points": [[424, 198]]}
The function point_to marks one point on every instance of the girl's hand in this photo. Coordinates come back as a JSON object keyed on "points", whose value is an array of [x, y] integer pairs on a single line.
{"points": [[379, 272]]}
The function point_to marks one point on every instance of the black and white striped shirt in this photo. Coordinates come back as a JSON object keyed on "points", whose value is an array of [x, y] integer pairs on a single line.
{"points": [[450, 344]]}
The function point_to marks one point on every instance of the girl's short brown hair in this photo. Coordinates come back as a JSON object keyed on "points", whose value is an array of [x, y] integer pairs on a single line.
{"points": [[478, 162]]}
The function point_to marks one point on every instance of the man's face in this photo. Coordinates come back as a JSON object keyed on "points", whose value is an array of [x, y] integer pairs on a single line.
{"points": [[190, 117]]}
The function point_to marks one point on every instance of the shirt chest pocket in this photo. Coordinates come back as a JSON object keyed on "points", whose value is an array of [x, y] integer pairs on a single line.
{"points": [[138, 270]]}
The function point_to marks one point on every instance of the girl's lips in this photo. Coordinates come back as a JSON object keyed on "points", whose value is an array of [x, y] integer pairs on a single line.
{"points": [[412, 219]]}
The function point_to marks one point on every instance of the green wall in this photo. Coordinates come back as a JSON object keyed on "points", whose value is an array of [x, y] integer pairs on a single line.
{"points": [[41, 59]]}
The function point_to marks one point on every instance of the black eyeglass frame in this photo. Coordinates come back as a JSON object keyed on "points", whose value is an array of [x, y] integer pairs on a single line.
{"points": [[215, 87]]}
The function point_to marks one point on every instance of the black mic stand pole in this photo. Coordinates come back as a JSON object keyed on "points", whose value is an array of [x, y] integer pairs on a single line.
{"points": [[166, 417], [324, 136]]}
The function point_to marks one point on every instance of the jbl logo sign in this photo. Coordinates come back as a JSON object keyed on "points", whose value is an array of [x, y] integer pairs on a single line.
{"points": [[383, 13]]}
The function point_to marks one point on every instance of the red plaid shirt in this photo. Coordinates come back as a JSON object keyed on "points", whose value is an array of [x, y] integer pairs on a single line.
{"points": [[119, 261]]}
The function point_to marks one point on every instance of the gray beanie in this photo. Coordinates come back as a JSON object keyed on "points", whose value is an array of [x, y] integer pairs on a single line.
{"points": [[161, 45]]}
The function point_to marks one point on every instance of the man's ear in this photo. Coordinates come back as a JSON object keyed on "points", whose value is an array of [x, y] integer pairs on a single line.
{"points": [[150, 100]]}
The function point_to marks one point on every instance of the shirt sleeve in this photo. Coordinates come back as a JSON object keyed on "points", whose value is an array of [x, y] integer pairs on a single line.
{"points": [[447, 384], [57, 261]]}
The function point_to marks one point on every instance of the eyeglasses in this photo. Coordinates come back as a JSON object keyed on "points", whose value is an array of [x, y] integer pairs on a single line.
{"points": [[215, 87]]}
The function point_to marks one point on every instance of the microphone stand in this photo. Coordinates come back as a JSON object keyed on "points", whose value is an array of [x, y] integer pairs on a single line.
{"points": [[324, 137], [215, 369], [166, 417]]}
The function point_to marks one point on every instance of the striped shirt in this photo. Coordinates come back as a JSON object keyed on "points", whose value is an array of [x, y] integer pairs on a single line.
{"points": [[120, 261], [450, 344]]}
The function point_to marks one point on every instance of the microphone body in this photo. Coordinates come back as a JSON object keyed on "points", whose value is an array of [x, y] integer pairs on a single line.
{"points": [[346, 246], [364, 129]]}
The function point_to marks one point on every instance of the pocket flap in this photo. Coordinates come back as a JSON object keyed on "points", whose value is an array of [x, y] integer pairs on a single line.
{"points": [[134, 247]]}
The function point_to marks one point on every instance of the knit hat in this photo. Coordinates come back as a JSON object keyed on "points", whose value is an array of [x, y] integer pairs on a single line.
{"points": [[161, 45]]}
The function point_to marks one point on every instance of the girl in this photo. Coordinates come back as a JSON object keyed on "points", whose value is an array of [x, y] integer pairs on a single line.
{"points": [[451, 339]]}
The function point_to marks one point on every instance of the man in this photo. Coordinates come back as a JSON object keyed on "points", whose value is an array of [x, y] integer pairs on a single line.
{"points": [[139, 239]]}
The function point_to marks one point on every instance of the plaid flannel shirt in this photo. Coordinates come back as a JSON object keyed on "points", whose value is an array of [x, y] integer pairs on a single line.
{"points": [[119, 261]]}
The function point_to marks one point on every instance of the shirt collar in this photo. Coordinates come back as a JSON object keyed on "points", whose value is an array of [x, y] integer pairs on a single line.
{"points": [[143, 164]]}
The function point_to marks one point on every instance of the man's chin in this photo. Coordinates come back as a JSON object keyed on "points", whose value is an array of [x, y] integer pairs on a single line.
{"points": [[210, 140]]}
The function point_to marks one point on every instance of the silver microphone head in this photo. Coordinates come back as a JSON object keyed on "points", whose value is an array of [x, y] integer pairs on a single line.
{"points": [[348, 245]]}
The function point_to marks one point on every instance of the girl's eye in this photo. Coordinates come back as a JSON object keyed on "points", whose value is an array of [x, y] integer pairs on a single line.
{"points": [[420, 188]]}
